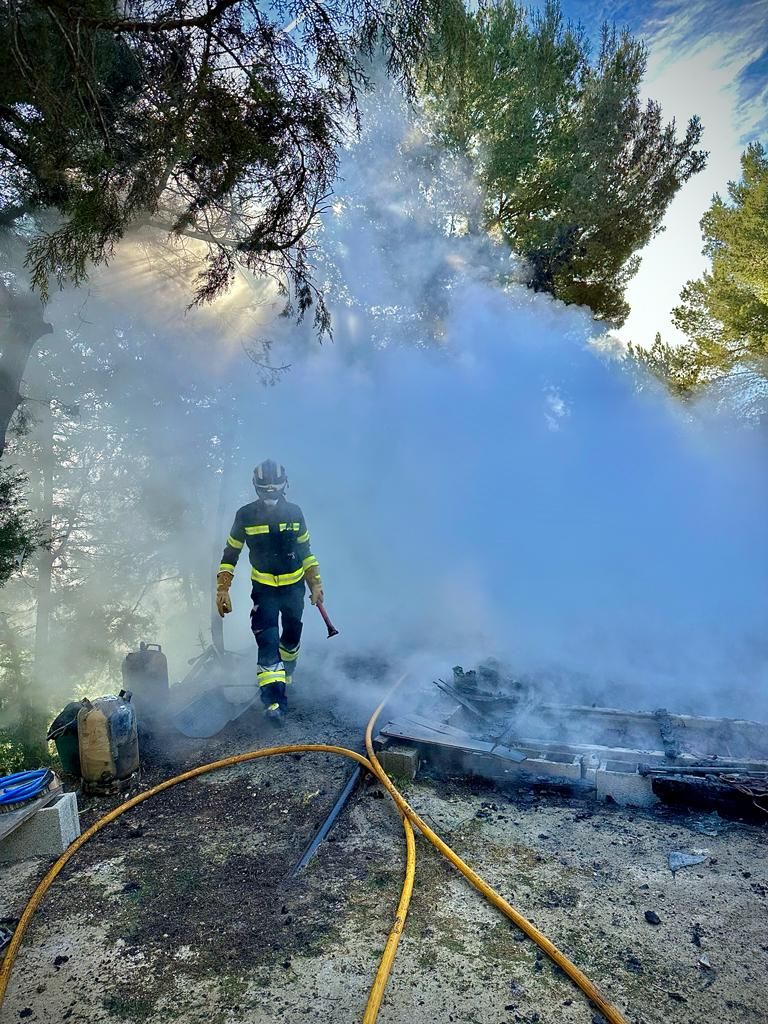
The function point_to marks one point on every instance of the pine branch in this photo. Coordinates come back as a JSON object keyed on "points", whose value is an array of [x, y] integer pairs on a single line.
{"points": [[161, 24]]}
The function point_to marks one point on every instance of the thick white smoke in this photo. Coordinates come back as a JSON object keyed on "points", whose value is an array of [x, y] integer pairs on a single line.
{"points": [[509, 490], [480, 474]]}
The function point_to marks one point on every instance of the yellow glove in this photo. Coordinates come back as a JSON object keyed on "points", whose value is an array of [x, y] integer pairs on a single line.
{"points": [[315, 584], [223, 600]]}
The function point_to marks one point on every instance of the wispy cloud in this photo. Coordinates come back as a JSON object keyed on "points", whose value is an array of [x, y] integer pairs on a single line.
{"points": [[724, 44], [710, 59]]}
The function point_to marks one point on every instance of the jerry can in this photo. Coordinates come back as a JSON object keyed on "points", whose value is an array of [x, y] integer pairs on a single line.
{"points": [[145, 674], [109, 744]]}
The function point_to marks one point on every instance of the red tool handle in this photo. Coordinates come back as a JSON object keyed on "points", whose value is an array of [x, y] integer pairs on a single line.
{"points": [[332, 631]]}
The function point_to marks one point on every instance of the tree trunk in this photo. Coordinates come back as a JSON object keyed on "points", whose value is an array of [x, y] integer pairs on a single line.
{"points": [[45, 556], [21, 326]]}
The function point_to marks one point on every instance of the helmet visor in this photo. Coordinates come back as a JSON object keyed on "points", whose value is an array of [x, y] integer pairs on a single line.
{"points": [[270, 492]]}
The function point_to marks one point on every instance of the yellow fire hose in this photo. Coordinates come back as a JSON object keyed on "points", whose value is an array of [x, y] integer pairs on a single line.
{"points": [[590, 991], [388, 956], [409, 816]]}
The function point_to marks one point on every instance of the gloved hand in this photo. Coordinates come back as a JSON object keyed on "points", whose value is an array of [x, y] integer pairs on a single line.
{"points": [[315, 584], [223, 600]]}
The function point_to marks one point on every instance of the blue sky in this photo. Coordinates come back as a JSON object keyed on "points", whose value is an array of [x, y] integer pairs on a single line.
{"points": [[706, 57]]}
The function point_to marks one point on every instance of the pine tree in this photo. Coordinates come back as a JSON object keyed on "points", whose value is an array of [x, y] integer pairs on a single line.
{"points": [[725, 312], [676, 366], [20, 533], [220, 121], [577, 173]]}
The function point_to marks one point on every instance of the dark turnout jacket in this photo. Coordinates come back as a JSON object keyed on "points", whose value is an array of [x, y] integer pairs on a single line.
{"points": [[277, 540]]}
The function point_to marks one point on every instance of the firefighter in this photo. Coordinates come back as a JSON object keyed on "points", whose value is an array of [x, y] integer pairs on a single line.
{"points": [[281, 564]]}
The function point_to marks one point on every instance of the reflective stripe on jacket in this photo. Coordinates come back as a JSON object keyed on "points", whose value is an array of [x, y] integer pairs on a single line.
{"points": [[278, 543]]}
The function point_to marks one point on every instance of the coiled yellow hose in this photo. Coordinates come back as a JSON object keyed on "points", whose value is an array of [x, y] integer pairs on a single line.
{"points": [[410, 817]]}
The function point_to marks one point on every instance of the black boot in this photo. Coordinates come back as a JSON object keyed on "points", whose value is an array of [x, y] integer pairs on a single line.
{"points": [[274, 700], [282, 699]]}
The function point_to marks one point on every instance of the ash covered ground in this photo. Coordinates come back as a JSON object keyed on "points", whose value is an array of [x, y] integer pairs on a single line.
{"points": [[183, 909]]}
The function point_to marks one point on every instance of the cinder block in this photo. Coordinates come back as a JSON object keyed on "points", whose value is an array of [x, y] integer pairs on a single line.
{"points": [[400, 760], [547, 766], [47, 833], [630, 789]]}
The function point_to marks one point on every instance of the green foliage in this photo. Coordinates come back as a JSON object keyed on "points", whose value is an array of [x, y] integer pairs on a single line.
{"points": [[577, 173], [678, 367], [725, 312], [22, 743], [23, 722], [219, 122], [20, 533]]}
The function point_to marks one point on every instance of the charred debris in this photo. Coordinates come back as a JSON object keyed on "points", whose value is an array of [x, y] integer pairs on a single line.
{"points": [[493, 725]]}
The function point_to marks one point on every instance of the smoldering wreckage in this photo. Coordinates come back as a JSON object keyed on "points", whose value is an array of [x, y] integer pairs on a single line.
{"points": [[485, 724]]}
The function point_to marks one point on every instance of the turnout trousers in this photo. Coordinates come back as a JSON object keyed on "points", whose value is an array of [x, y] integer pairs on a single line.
{"points": [[276, 624]]}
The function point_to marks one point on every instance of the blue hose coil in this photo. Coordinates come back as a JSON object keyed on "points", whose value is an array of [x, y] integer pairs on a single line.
{"points": [[24, 786]]}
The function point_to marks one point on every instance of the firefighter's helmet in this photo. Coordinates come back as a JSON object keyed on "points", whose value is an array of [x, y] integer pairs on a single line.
{"points": [[270, 480]]}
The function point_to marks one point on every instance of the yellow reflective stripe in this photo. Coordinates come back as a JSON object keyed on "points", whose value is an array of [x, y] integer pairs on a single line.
{"points": [[294, 527], [303, 538], [232, 543], [309, 561], [281, 580], [265, 678], [289, 655], [226, 567], [251, 530], [273, 707]]}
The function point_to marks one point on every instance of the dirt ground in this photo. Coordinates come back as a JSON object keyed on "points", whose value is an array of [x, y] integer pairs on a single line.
{"points": [[183, 912]]}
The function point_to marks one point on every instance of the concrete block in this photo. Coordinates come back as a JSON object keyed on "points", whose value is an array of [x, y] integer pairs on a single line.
{"points": [[400, 760], [547, 766], [627, 788], [47, 833]]}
